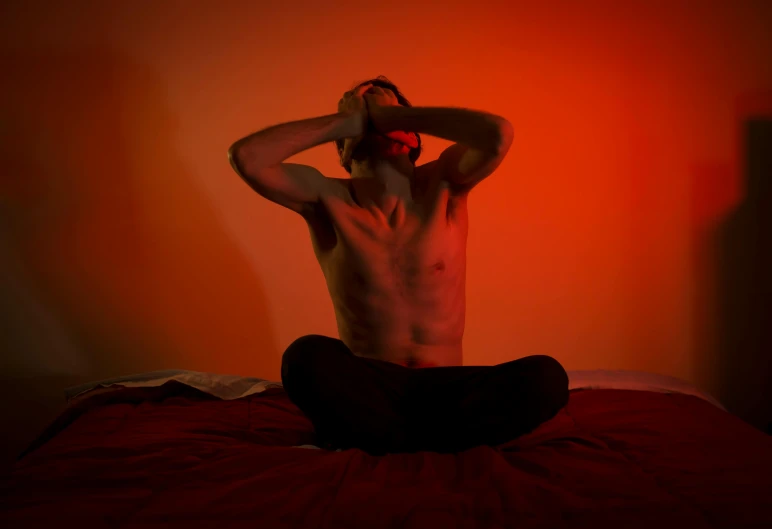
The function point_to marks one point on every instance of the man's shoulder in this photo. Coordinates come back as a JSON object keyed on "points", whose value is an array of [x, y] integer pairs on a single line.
{"points": [[430, 170], [433, 177], [338, 189]]}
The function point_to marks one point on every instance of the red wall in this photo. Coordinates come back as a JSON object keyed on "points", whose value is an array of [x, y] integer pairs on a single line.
{"points": [[129, 245]]}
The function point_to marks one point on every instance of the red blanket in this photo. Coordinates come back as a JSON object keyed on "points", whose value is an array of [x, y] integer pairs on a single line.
{"points": [[173, 457]]}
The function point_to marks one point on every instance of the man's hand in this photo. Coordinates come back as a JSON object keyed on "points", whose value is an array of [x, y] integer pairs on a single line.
{"points": [[376, 98], [354, 105]]}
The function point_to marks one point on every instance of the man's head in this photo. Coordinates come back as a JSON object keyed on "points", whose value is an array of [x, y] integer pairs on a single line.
{"points": [[368, 143]]}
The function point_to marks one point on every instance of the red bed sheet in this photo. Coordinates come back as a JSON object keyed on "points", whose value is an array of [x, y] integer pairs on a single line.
{"points": [[173, 457]]}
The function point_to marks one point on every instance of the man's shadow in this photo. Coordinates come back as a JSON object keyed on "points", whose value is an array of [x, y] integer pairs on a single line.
{"points": [[738, 370], [116, 240]]}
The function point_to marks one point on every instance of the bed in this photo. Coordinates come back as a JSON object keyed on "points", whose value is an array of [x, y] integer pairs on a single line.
{"points": [[181, 449]]}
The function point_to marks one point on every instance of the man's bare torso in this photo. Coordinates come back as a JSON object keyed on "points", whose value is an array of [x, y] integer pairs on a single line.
{"points": [[396, 271]]}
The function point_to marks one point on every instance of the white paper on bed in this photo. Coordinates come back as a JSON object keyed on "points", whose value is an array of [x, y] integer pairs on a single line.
{"points": [[228, 387]]}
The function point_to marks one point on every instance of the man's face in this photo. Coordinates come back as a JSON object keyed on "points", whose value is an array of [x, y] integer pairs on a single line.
{"points": [[376, 144], [378, 97], [382, 144]]}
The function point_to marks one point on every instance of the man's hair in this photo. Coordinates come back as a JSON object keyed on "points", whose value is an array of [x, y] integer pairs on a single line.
{"points": [[383, 82]]}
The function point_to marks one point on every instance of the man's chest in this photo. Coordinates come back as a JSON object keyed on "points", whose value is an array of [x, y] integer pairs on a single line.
{"points": [[415, 266], [391, 226], [406, 243]]}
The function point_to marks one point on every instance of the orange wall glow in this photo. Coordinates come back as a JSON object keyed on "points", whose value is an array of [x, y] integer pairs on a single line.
{"points": [[130, 245]]}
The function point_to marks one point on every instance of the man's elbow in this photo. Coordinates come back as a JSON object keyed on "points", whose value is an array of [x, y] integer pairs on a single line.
{"points": [[504, 135], [233, 158]]}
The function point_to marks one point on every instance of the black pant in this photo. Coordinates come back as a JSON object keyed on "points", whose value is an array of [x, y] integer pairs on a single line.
{"points": [[382, 407]]}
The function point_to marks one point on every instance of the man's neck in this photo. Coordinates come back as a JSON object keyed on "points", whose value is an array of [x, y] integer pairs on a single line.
{"points": [[390, 178]]}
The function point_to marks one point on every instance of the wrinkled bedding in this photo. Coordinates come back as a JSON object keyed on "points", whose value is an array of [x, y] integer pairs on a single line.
{"points": [[175, 456], [233, 386]]}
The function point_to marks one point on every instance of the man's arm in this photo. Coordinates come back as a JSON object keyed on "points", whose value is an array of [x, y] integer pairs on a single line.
{"points": [[258, 158], [482, 140]]}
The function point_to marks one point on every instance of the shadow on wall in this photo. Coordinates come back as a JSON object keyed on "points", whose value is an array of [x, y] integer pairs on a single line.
{"points": [[122, 252], [743, 246]]}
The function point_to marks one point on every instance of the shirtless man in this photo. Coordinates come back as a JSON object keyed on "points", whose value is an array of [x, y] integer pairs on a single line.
{"points": [[391, 242]]}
